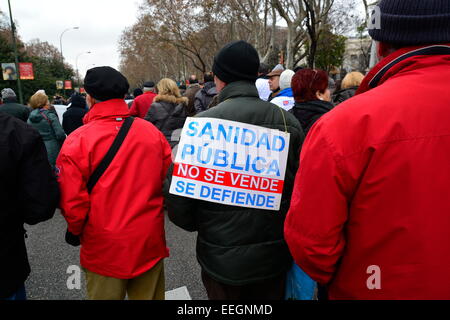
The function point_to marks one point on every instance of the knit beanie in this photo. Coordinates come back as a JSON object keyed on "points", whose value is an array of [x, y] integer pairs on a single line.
{"points": [[236, 61], [286, 79], [413, 22], [105, 83], [8, 94]]}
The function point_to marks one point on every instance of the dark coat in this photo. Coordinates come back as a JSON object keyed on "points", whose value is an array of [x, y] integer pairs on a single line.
{"points": [[307, 113], [73, 117], [190, 93], [235, 245], [168, 114], [48, 125], [16, 110], [28, 194], [204, 97], [343, 95]]}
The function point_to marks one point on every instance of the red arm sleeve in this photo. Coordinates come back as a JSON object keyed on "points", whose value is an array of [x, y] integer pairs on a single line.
{"points": [[134, 111], [314, 227], [75, 201]]}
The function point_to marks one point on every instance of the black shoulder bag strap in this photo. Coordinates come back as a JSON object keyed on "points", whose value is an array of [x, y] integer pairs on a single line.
{"points": [[70, 238], [109, 157]]}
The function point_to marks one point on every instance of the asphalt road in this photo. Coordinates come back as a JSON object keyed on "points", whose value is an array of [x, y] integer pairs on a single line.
{"points": [[50, 258]]}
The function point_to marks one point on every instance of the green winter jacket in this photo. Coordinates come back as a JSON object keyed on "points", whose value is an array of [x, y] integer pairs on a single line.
{"points": [[48, 125], [239, 246]]}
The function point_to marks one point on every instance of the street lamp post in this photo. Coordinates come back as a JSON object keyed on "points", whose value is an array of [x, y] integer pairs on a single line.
{"points": [[13, 32], [61, 47], [76, 64], [60, 40]]}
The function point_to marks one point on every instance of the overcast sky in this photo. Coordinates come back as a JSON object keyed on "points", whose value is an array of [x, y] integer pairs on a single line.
{"points": [[101, 23]]}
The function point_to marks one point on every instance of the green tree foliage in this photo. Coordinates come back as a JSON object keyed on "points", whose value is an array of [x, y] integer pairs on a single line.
{"points": [[330, 51], [47, 64]]}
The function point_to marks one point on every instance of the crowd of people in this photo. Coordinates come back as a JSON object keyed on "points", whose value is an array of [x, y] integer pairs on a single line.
{"points": [[364, 210]]}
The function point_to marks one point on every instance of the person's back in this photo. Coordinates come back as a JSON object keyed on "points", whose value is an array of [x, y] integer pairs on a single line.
{"points": [[190, 93], [239, 262], [48, 125], [349, 86], [121, 222], [205, 95], [169, 109], [28, 193], [379, 228], [73, 117], [142, 103], [11, 107], [132, 199], [344, 94]]}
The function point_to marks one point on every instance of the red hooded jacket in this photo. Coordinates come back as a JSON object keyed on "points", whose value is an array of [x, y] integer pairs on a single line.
{"points": [[370, 212], [142, 104], [122, 221]]}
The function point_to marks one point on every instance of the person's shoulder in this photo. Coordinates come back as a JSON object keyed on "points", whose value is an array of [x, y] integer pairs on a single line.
{"points": [[358, 106], [147, 132], [145, 127], [18, 128], [143, 97]]}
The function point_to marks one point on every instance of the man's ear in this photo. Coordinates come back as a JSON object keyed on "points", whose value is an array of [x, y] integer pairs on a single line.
{"points": [[90, 101]]}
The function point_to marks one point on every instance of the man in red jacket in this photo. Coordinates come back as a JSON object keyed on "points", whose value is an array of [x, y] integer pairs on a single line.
{"points": [[142, 104], [370, 213], [121, 221]]}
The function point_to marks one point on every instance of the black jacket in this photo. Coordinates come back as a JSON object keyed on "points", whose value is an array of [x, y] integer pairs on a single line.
{"points": [[28, 194], [73, 119], [16, 110], [168, 114], [235, 245], [307, 113], [343, 95], [204, 97]]}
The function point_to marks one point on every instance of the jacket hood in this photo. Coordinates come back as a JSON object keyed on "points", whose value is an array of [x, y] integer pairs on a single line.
{"points": [[35, 116], [171, 99]]}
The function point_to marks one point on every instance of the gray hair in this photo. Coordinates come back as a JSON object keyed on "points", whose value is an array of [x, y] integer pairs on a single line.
{"points": [[8, 93]]}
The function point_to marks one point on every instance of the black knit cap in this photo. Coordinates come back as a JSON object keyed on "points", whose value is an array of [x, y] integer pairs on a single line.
{"points": [[413, 22], [236, 61], [105, 83], [149, 84]]}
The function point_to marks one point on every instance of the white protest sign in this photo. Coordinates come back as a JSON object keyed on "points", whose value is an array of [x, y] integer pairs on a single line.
{"points": [[231, 163]]}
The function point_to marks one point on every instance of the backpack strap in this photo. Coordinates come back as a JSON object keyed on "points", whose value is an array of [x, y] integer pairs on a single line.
{"points": [[109, 157]]}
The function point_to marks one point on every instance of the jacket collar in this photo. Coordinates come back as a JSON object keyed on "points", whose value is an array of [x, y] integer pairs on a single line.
{"points": [[314, 105], [398, 62], [238, 89], [286, 93], [115, 108]]}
